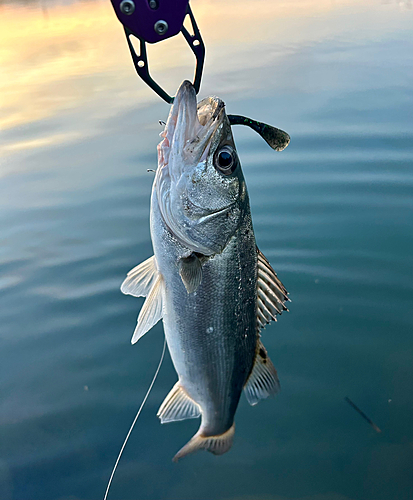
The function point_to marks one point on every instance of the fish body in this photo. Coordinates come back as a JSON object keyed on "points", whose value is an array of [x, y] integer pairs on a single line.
{"points": [[207, 280], [211, 333]]}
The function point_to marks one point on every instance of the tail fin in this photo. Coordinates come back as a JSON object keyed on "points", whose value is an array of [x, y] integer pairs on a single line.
{"points": [[217, 445]]}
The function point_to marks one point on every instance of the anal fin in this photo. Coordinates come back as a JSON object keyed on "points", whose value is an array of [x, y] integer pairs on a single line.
{"points": [[263, 380], [178, 406]]}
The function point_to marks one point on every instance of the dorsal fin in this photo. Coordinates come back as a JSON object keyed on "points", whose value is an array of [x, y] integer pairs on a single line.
{"points": [[178, 406], [263, 380], [271, 293]]}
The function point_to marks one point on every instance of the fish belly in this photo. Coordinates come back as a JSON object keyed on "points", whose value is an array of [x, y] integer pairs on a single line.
{"points": [[211, 333]]}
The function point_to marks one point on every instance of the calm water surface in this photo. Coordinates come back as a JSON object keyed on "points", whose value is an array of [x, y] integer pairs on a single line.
{"points": [[333, 213]]}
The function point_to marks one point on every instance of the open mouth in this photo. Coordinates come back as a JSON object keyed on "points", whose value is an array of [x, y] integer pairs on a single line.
{"points": [[190, 126], [188, 137]]}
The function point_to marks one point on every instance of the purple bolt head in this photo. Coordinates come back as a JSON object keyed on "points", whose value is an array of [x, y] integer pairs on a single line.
{"points": [[149, 23]]}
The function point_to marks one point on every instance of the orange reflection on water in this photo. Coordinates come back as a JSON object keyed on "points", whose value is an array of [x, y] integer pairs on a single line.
{"points": [[67, 56], [39, 143], [43, 54]]}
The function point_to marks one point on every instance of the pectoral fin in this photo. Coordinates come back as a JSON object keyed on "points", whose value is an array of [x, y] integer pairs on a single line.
{"points": [[178, 406], [271, 293], [151, 311], [190, 270], [263, 381]]}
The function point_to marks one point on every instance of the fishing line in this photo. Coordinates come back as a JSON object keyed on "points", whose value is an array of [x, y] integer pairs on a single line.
{"points": [[135, 419]]}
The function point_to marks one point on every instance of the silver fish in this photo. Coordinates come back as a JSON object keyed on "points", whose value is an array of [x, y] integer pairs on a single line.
{"points": [[207, 279]]}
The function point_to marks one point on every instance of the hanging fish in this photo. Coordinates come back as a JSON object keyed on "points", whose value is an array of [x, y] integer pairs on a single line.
{"points": [[207, 280]]}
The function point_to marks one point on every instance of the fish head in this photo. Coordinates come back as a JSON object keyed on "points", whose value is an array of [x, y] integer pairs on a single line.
{"points": [[199, 183]]}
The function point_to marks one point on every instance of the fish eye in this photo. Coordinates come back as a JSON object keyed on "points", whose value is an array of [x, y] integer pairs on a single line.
{"points": [[225, 160]]}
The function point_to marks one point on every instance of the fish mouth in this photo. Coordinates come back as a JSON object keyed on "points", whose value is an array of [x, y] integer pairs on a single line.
{"points": [[187, 138], [190, 127]]}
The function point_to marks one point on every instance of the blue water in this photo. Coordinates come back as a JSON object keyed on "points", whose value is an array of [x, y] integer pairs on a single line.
{"points": [[333, 214]]}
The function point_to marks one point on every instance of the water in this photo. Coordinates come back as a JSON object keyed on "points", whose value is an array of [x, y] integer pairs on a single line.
{"points": [[333, 213]]}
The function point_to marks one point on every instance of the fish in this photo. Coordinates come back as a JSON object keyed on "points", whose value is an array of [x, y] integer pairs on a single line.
{"points": [[207, 280]]}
